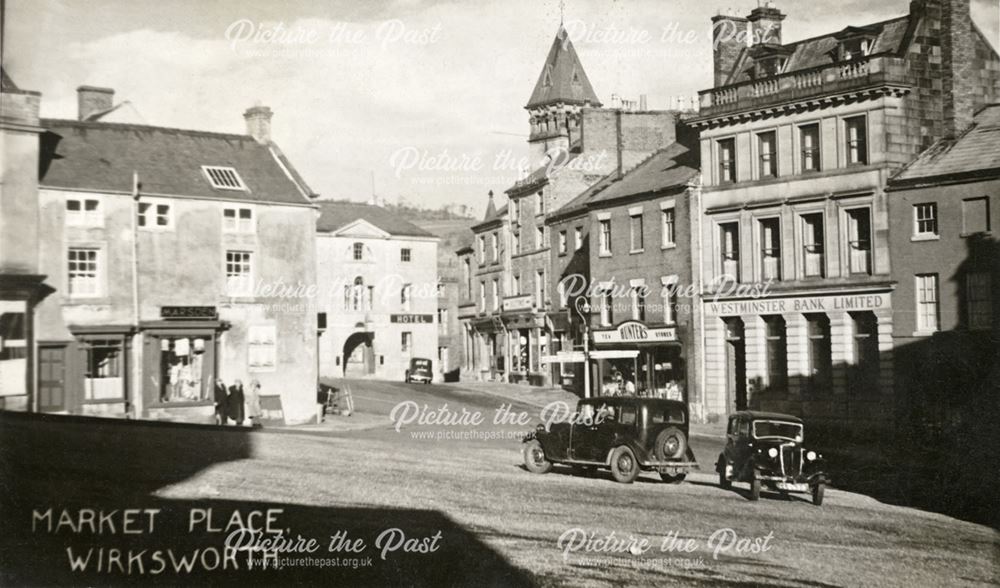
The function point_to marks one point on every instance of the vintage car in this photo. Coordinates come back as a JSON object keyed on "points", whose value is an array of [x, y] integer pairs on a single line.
{"points": [[625, 434], [765, 449], [420, 370]]}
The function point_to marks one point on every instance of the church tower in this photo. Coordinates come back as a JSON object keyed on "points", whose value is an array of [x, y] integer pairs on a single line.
{"points": [[561, 92]]}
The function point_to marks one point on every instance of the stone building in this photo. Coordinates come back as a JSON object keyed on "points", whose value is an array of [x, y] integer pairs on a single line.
{"points": [[798, 142], [378, 292], [944, 210], [168, 251]]}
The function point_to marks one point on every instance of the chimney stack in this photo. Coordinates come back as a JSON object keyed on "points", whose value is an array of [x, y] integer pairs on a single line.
{"points": [[92, 100], [729, 37], [765, 23], [259, 123], [958, 66]]}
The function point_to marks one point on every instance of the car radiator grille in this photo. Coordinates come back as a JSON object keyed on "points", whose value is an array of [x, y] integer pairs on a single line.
{"points": [[791, 460]]}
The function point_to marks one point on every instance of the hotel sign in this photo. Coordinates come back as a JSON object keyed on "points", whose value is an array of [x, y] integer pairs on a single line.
{"points": [[635, 332], [524, 302], [837, 303], [412, 319]]}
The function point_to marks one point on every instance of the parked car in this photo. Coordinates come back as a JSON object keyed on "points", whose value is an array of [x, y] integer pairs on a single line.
{"points": [[624, 434], [766, 449], [420, 370]]}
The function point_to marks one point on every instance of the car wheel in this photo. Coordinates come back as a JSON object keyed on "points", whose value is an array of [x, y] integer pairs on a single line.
{"points": [[723, 465], [671, 443], [755, 488], [818, 493], [534, 458], [672, 478], [624, 466]]}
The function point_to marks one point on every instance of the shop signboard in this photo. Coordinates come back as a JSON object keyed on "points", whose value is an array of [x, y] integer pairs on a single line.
{"points": [[523, 302], [205, 313], [412, 319], [635, 332], [840, 302]]}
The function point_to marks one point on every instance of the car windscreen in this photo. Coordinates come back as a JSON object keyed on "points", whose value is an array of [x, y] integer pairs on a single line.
{"points": [[777, 430], [421, 363], [670, 414]]}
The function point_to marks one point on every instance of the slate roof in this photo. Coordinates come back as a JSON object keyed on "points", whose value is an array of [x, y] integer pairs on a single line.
{"points": [[7, 84], [670, 167], [976, 150], [579, 203], [819, 51], [102, 157], [337, 215], [562, 78]]}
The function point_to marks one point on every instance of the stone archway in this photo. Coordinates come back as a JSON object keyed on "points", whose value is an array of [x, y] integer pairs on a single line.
{"points": [[359, 355]]}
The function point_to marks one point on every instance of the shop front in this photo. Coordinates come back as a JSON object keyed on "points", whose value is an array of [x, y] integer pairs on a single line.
{"points": [[634, 359], [528, 342], [490, 341]]}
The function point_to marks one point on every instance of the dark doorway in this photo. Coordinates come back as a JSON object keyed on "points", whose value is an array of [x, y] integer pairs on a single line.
{"points": [[52, 378], [736, 365], [359, 355]]}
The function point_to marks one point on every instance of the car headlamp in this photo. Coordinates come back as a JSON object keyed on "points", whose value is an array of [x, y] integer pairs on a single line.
{"points": [[772, 452], [811, 455]]}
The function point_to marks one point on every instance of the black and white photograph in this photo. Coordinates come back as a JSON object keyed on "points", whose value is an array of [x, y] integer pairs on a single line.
{"points": [[583, 293]]}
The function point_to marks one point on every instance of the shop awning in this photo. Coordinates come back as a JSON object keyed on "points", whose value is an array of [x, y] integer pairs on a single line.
{"points": [[614, 354], [565, 357]]}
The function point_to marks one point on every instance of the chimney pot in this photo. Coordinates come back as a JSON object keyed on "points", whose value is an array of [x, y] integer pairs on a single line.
{"points": [[765, 22], [258, 120], [93, 100]]}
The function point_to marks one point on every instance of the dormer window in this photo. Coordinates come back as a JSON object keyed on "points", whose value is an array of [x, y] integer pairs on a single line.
{"points": [[855, 48], [223, 178], [856, 42], [771, 66]]}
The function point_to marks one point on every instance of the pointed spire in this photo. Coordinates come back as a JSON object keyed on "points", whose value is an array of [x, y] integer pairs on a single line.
{"points": [[491, 208], [562, 78]]}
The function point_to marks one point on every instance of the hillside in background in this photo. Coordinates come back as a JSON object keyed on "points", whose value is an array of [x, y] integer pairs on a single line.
{"points": [[454, 233]]}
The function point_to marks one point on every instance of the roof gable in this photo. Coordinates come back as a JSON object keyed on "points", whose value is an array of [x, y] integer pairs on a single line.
{"points": [[563, 78], [361, 228], [337, 217]]}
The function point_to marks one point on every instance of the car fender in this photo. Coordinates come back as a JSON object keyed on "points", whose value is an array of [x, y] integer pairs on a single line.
{"points": [[620, 441]]}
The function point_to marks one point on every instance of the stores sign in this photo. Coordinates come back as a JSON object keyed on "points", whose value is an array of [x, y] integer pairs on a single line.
{"points": [[635, 332]]}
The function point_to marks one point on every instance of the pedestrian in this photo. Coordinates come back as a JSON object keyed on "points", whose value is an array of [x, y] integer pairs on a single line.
{"points": [[221, 402], [253, 403], [236, 400]]}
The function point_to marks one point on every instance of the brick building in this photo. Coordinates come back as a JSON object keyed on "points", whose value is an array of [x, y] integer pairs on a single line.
{"points": [[798, 142], [944, 210], [164, 248], [378, 292]]}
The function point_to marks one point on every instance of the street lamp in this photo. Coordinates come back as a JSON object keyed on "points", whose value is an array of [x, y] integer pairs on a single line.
{"points": [[582, 306]]}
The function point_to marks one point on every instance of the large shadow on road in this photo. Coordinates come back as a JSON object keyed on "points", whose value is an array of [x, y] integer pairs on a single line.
{"points": [[67, 485]]}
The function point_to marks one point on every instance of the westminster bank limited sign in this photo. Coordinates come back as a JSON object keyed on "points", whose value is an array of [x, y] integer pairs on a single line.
{"points": [[635, 332]]}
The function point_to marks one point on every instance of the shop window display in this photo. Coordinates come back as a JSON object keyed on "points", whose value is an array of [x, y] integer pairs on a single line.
{"points": [[184, 375]]}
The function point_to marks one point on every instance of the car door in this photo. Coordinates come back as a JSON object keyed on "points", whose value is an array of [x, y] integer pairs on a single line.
{"points": [[592, 438]]}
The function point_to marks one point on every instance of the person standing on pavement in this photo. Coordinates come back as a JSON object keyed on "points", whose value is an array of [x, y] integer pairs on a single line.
{"points": [[253, 403], [221, 397], [236, 401]]}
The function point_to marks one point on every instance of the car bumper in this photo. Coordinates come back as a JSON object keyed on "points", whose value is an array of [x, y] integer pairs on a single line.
{"points": [[799, 483]]}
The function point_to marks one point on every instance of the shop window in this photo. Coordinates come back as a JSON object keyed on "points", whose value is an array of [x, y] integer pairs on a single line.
{"points": [[84, 212], [577, 238], [667, 377], [495, 249], [809, 140], [777, 355], [979, 300], [405, 254], [237, 220], [865, 370], [667, 222], [927, 302], [856, 131], [819, 357], [635, 233], [13, 341], [185, 375], [83, 271], [104, 369], [770, 248], [767, 146], [925, 222], [239, 273], [975, 216], [859, 240], [406, 342], [729, 249], [155, 215], [605, 236], [563, 245], [727, 160], [812, 245], [262, 345]]}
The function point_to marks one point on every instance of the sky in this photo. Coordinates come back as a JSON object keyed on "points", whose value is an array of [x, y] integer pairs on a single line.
{"points": [[422, 100]]}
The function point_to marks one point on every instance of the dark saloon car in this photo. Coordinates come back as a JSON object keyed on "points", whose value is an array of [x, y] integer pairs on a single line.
{"points": [[624, 434], [765, 449], [420, 370]]}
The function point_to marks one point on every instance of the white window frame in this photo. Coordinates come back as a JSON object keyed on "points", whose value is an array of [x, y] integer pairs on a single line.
{"points": [[495, 290], [406, 297], [148, 220], [82, 217], [918, 218], [540, 288], [668, 231], [634, 235], [406, 342], [495, 243], [563, 243], [96, 280], [604, 236], [405, 255], [223, 177], [239, 224], [577, 238], [926, 297], [238, 285], [482, 249], [262, 348]]}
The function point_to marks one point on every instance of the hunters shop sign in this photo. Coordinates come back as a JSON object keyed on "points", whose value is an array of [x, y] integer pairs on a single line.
{"points": [[635, 332]]}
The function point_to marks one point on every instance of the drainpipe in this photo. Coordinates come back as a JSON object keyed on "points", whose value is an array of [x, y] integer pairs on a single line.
{"points": [[137, 348]]}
